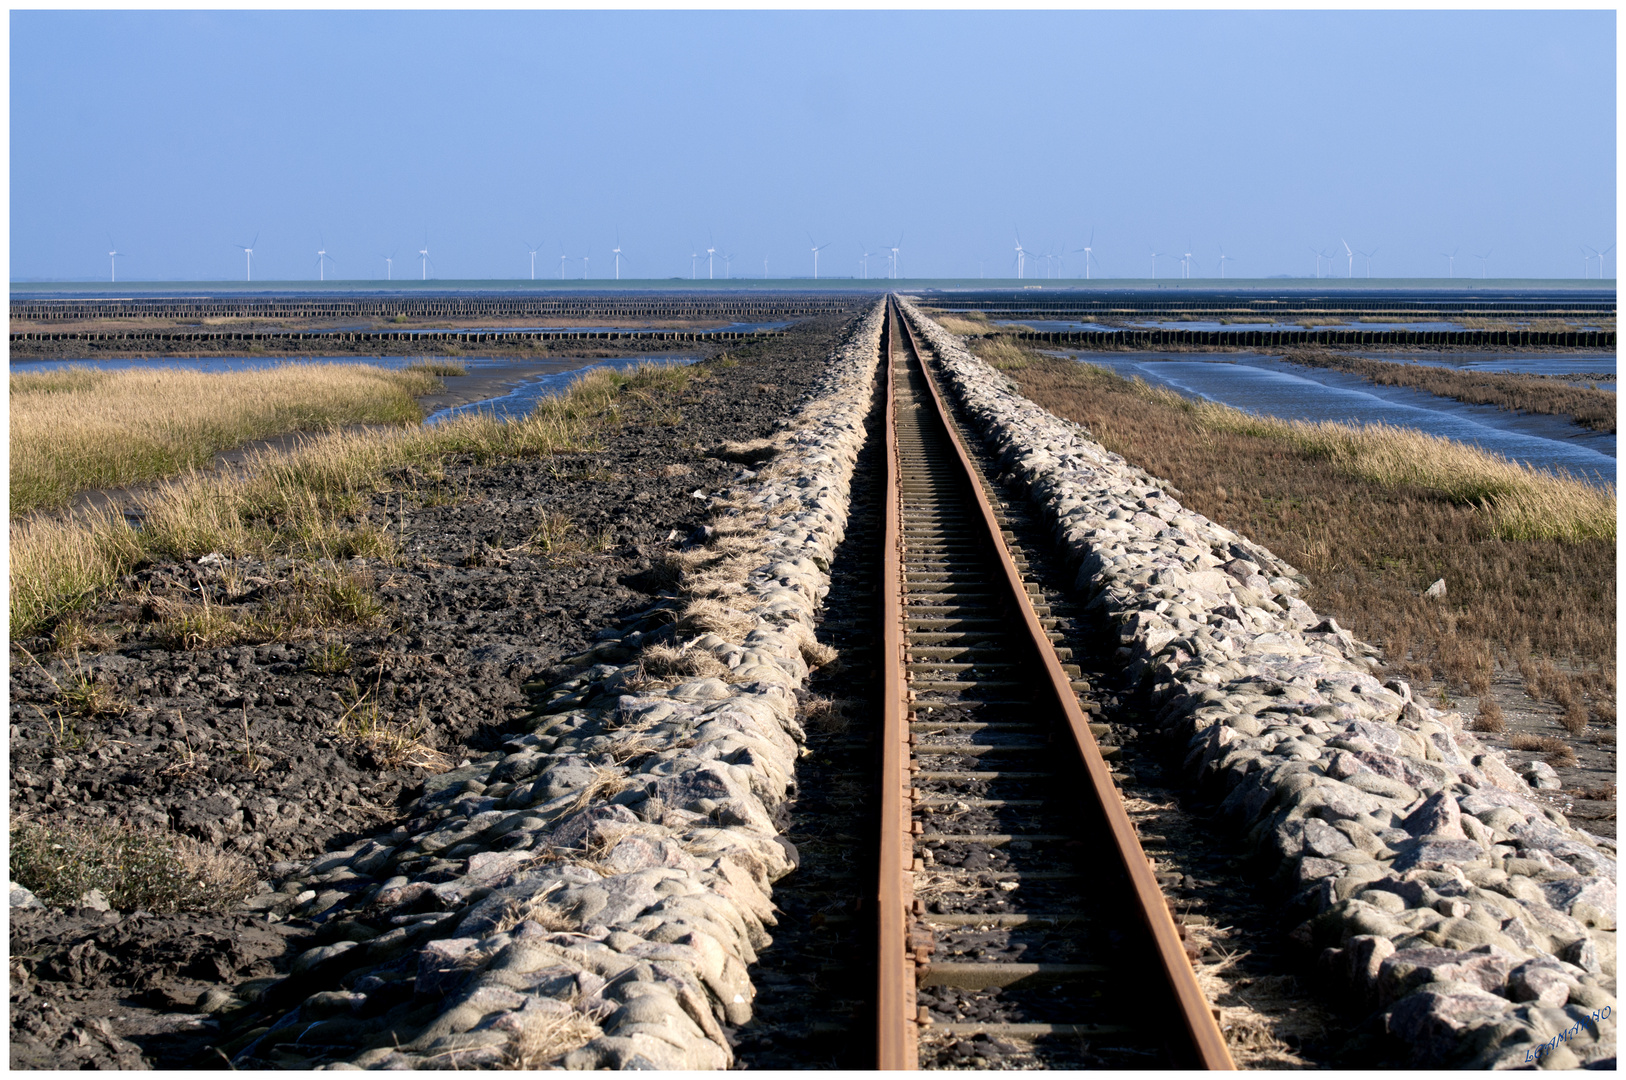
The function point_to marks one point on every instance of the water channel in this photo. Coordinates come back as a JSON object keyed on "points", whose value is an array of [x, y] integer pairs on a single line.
{"points": [[1269, 386]]}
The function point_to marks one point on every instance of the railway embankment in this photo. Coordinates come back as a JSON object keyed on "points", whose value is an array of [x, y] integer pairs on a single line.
{"points": [[593, 894], [1426, 885]]}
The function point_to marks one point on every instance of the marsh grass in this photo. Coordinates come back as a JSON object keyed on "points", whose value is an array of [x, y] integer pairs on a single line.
{"points": [[967, 324], [1373, 516], [314, 501], [79, 429], [133, 868], [1519, 501], [438, 368], [1589, 407]]}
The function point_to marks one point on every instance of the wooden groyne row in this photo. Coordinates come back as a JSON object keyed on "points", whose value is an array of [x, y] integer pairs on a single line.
{"points": [[1287, 339], [1232, 306], [746, 308], [381, 337]]}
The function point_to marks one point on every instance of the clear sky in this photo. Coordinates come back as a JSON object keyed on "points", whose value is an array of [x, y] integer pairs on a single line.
{"points": [[176, 136]]}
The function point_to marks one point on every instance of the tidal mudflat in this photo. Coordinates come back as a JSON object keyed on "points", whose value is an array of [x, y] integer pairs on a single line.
{"points": [[1270, 386]]}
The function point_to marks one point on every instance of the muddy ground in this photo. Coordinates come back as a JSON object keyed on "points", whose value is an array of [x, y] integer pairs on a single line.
{"points": [[253, 750]]}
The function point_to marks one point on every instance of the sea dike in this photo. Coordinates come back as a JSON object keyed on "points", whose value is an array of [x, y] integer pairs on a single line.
{"points": [[1433, 889], [593, 896]]}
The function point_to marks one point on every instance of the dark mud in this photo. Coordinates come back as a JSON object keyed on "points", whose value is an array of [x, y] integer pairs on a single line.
{"points": [[247, 749]]}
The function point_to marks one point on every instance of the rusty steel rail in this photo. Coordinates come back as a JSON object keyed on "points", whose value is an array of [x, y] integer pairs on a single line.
{"points": [[895, 1034], [903, 962]]}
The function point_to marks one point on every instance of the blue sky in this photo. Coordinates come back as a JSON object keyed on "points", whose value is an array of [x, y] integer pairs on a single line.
{"points": [[179, 135]]}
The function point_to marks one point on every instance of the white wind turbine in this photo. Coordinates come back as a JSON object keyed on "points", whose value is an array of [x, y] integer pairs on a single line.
{"points": [[1586, 262], [423, 259], [1223, 259], [1089, 253], [1021, 257], [1451, 262], [694, 260], [617, 252], [1484, 263], [863, 264], [533, 249], [711, 252], [585, 260], [1187, 262], [389, 266], [817, 247], [1368, 256], [1155, 256], [322, 259], [728, 272], [112, 260], [1351, 253], [1319, 255], [893, 251], [563, 258], [1600, 255], [248, 257]]}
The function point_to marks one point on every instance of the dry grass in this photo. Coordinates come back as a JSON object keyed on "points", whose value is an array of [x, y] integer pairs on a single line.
{"points": [[547, 1037], [80, 429], [314, 500], [1490, 718], [438, 368], [1482, 322], [322, 596], [134, 869], [390, 744], [561, 540], [1559, 753], [815, 653], [606, 784], [966, 324], [707, 616], [1372, 536], [666, 662], [1528, 393], [826, 715]]}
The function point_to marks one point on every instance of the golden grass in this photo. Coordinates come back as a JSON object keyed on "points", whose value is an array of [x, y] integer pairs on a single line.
{"points": [[1521, 502], [438, 367], [1373, 519], [970, 323], [314, 500], [79, 429]]}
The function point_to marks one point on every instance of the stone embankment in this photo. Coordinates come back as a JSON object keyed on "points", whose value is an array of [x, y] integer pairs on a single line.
{"points": [[593, 896], [1433, 888]]}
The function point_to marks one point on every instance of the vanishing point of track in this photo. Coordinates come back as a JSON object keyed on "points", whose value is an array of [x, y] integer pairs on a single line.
{"points": [[1014, 900]]}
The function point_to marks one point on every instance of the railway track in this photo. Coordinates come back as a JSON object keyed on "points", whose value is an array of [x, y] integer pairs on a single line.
{"points": [[1014, 901]]}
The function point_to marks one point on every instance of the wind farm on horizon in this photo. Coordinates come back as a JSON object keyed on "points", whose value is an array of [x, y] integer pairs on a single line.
{"points": [[1025, 264]]}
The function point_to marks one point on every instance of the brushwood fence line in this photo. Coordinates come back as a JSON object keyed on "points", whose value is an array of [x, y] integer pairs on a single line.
{"points": [[1288, 339], [381, 337]]}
